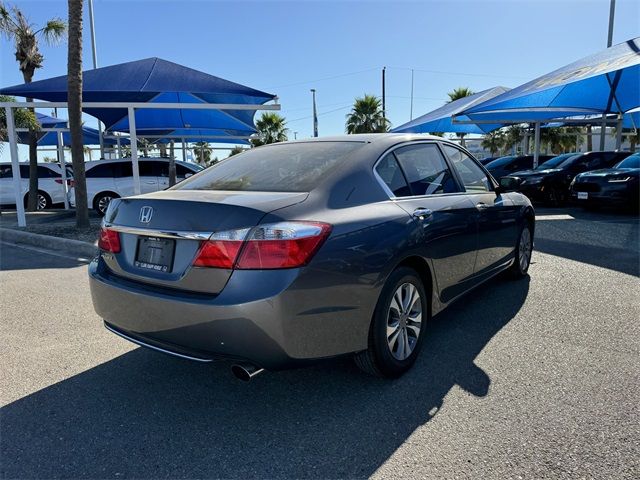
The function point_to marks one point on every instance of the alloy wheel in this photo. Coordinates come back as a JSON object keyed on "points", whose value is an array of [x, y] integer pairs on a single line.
{"points": [[103, 203], [42, 202], [404, 320], [524, 249]]}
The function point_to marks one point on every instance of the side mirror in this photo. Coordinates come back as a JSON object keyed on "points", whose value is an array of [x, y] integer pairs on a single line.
{"points": [[508, 184]]}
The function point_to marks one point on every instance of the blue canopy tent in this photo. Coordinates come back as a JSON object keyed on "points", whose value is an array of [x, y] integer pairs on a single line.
{"points": [[46, 121], [605, 82], [154, 80], [599, 84], [439, 120]]}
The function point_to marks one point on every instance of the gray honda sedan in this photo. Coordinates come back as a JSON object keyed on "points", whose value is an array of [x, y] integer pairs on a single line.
{"points": [[299, 251]]}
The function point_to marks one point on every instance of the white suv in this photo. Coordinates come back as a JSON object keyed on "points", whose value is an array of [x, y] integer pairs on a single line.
{"points": [[50, 186], [108, 179]]}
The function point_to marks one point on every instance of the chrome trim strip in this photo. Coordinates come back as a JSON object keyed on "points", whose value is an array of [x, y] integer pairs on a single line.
{"points": [[150, 232], [158, 349]]}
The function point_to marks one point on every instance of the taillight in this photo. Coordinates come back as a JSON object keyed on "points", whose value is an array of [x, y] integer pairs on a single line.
{"points": [[221, 250], [271, 246], [58, 180], [109, 240], [71, 183]]}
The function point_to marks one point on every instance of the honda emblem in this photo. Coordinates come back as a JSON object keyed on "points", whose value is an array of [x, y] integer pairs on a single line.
{"points": [[145, 214]]}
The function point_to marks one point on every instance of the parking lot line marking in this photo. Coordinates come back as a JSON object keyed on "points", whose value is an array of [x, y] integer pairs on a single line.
{"points": [[555, 217], [45, 251]]}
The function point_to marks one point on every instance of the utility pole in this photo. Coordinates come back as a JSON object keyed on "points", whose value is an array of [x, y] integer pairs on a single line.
{"points": [[295, 135], [384, 109], [612, 13], [95, 65], [315, 114], [411, 107]]}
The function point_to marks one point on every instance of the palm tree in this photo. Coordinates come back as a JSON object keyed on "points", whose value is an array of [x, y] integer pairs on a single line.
{"points": [[513, 136], [202, 152], [457, 94], [17, 28], [493, 141], [22, 117], [236, 150], [74, 104], [271, 129], [367, 116]]}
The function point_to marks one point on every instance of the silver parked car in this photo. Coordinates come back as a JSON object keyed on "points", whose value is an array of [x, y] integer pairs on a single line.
{"points": [[298, 251]]}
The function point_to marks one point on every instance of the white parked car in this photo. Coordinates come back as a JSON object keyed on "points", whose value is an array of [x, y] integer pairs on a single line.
{"points": [[108, 179], [50, 186]]}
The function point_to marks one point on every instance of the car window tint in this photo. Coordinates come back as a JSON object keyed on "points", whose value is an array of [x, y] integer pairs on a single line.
{"points": [[101, 171], [182, 171], [473, 177], [425, 169], [24, 171], [124, 169], [280, 167], [5, 171], [45, 172], [391, 174], [147, 169]]}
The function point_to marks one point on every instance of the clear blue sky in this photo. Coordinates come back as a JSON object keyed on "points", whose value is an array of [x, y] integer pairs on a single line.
{"points": [[339, 48]]}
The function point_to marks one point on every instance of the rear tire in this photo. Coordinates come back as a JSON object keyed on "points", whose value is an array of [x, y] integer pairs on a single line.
{"points": [[397, 328], [101, 202], [43, 202], [523, 251]]}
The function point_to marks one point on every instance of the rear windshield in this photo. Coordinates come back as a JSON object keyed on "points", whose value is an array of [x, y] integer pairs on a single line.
{"points": [[286, 167]]}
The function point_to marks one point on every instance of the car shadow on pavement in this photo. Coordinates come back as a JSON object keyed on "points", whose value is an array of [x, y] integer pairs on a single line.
{"points": [[147, 415], [21, 257], [605, 239]]}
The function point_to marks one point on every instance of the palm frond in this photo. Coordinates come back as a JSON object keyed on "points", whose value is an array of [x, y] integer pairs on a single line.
{"points": [[53, 32]]}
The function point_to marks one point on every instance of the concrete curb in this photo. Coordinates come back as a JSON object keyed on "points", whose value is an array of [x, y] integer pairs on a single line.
{"points": [[64, 245]]}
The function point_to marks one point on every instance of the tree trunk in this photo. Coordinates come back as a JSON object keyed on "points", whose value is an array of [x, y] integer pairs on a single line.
{"points": [[74, 99], [589, 139], [32, 197], [172, 165]]}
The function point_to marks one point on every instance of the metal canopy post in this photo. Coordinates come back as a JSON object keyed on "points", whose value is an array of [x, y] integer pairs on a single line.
{"points": [[603, 131], [133, 139], [15, 167], [619, 133], [63, 166], [536, 146], [119, 143], [184, 151]]}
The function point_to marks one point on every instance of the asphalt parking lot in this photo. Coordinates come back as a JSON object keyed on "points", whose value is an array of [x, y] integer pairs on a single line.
{"points": [[538, 378]]}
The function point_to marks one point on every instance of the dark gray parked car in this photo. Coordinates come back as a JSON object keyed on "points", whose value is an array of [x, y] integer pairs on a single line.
{"points": [[298, 251]]}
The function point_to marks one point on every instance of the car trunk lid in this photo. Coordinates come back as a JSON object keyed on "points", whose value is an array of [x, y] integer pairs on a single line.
{"points": [[161, 233]]}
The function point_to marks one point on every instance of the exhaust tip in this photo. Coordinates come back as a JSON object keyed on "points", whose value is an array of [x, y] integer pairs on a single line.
{"points": [[245, 372]]}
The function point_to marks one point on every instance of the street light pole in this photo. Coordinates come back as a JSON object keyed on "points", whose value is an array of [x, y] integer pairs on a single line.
{"points": [[315, 114], [612, 13]]}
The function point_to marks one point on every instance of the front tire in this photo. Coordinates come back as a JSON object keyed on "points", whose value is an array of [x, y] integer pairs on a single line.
{"points": [[397, 328], [523, 251]]}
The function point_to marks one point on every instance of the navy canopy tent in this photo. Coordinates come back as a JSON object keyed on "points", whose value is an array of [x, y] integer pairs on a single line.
{"points": [[605, 82], [439, 120], [156, 81], [46, 121]]}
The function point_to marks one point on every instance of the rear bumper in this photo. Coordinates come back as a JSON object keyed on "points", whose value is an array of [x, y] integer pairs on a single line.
{"points": [[269, 318]]}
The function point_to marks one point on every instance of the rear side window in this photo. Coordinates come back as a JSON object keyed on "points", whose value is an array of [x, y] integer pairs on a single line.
{"points": [[101, 171], [425, 169], [285, 167], [389, 171], [45, 172], [5, 171], [473, 177]]}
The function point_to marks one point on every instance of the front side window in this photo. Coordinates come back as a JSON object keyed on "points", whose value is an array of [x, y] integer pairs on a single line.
{"points": [[425, 169], [5, 171], [101, 171], [473, 177]]}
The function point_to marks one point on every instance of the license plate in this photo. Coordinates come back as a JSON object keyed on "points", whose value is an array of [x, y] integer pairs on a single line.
{"points": [[155, 254], [583, 195]]}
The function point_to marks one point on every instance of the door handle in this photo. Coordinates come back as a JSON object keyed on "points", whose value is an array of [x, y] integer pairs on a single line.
{"points": [[150, 183], [422, 212], [482, 206]]}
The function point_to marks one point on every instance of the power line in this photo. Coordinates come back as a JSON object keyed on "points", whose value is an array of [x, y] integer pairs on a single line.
{"points": [[304, 82], [319, 114], [466, 74]]}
